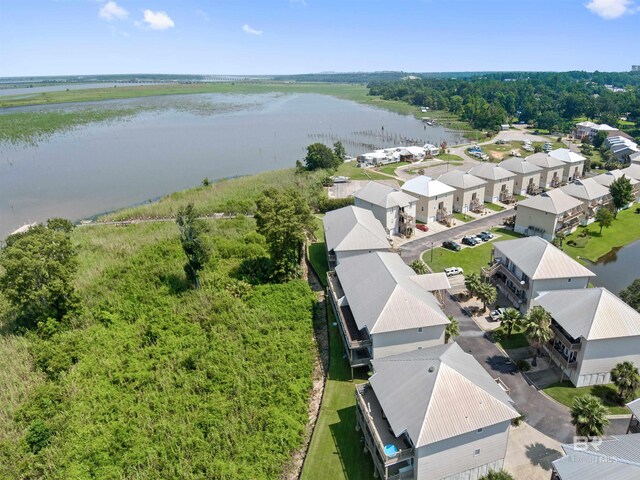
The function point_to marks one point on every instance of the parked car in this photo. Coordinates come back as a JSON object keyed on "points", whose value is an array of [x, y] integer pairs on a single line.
{"points": [[485, 236], [451, 271], [451, 245], [423, 227], [471, 241], [497, 313]]}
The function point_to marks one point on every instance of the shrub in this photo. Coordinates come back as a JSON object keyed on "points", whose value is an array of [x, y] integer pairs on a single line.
{"points": [[523, 365], [327, 204], [38, 436]]}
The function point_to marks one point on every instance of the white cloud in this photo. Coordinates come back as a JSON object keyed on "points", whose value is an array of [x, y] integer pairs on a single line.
{"points": [[157, 20], [610, 9], [113, 11], [298, 2], [251, 31]]}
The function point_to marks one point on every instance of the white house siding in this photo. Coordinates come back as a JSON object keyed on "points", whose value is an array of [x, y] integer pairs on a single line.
{"points": [[521, 182], [393, 343], [526, 217], [427, 207], [462, 198], [493, 189], [454, 458], [597, 358], [379, 212], [547, 175]]}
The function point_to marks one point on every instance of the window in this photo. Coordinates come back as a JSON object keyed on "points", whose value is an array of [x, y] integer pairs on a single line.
{"points": [[479, 430], [569, 280], [420, 330], [476, 452], [419, 348]]}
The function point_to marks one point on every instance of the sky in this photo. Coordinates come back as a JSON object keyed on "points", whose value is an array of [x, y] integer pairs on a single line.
{"points": [[76, 37]]}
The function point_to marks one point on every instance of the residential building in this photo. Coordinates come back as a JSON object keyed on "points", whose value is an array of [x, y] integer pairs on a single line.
{"points": [[433, 414], [634, 158], [383, 308], [393, 155], [621, 147], [593, 331], [608, 178], [352, 231], [547, 214], [524, 267], [499, 187], [435, 199], [632, 171], [590, 129], [394, 209], [634, 421], [615, 458], [552, 169], [573, 163], [430, 149], [593, 195], [527, 179], [469, 190]]}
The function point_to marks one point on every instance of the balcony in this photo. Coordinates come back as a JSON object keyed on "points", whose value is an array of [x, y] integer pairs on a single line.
{"points": [[506, 197], [559, 357], [564, 338], [378, 434], [357, 342], [570, 215], [476, 206], [523, 281]]}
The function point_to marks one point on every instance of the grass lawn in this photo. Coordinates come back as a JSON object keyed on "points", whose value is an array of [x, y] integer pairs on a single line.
{"points": [[462, 217], [516, 340], [448, 157], [565, 393], [470, 259], [519, 198], [493, 206], [625, 230], [336, 451], [349, 169], [391, 169], [318, 259]]}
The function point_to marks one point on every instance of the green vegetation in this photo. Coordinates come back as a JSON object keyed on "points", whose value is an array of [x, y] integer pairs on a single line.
{"points": [[631, 294], [321, 157], [349, 169], [538, 330], [589, 416], [462, 217], [470, 259], [624, 230], [493, 206], [154, 379], [452, 159], [565, 393], [336, 451], [391, 169], [191, 233], [517, 339], [625, 376], [621, 193]]}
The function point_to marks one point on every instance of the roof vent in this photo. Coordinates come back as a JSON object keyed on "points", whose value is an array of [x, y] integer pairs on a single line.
{"points": [[431, 369]]}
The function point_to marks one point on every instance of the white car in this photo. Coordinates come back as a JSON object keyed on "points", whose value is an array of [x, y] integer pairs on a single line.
{"points": [[451, 271]]}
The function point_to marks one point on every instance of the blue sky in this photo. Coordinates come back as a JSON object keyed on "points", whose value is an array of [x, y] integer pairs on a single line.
{"points": [[51, 37]]}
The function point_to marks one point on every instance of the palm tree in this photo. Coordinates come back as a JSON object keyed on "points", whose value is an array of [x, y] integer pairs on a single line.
{"points": [[559, 239], [472, 282], [510, 318], [452, 330], [487, 294], [589, 416], [501, 475], [538, 328], [625, 376]]}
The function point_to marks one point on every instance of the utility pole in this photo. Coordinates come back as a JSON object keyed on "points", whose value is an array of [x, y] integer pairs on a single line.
{"points": [[431, 252]]}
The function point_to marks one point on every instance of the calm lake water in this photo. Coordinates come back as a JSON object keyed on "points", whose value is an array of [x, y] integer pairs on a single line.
{"points": [[177, 141], [618, 269]]}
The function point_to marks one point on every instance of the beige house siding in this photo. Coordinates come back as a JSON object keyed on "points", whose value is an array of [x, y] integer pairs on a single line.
{"points": [[394, 343], [547, 175], [570, 170], [462, 198], [528, 217], [427, 207], [597, 358], [521, 182], [455, 458], [493, 189], [548, 285], [388, 217]]}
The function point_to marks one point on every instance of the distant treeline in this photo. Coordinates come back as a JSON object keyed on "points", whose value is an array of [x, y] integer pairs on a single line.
{"points": [[549, 100]]}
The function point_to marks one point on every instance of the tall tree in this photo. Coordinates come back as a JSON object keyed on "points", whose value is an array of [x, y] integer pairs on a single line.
{"points": [[589, 416], [604, 218], [621, 193], [191, 239], [625, 376], [510, 318], [39, 266], [284, 218], [538, 330], [631, 294], [452, 330], [320, 156], [487, 294], [472, 282], [339, 151]]}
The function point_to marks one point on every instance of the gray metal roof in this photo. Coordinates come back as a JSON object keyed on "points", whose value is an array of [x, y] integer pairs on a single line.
{"points": [[632, 171], [544, 160], [586, 189], [539, 259], [384, 195], [432, 281], [567, 156], [461, 179], [438, 393], [634, 407], [426, 187], [353, 228], [518, 165], [617, 458], [607, 179], [591, 313], [491, 171], [382, 295], [552, 201]]}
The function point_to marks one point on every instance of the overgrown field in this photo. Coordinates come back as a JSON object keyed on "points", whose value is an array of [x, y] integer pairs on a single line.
{"points": [[156, 379]]}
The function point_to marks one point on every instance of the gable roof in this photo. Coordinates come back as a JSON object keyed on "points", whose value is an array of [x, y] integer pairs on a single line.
{"points": [[553, 201], [461, 179], [616, 458], [379, 289], [592, 313], [438, 393], [634, 406], [567, 156], [384, 195], [632, 171], [585, 189], [353, 228], [490, 171], [607, 179], [539, 259], [544, 160], [426, 187], [432, 281], [634, 157], [518, 165]]}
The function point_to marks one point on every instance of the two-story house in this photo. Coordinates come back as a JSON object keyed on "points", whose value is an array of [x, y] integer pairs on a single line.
{"points": [[552, 169], [606, 179], [383, 308], [433, 414], [499, 187], [395, 210], [632, 171], [524, 267], [573, 163], [527, 179], [351, 231], [548, 213], [594, 196], [593, 331], [435, 199], [469, 190]]}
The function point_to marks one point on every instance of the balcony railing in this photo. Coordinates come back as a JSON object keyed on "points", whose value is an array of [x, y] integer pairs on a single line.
{"points": [[576, 212], [476, 205], [513, 277], [561, 336], [559, 358], [507, 292]]}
